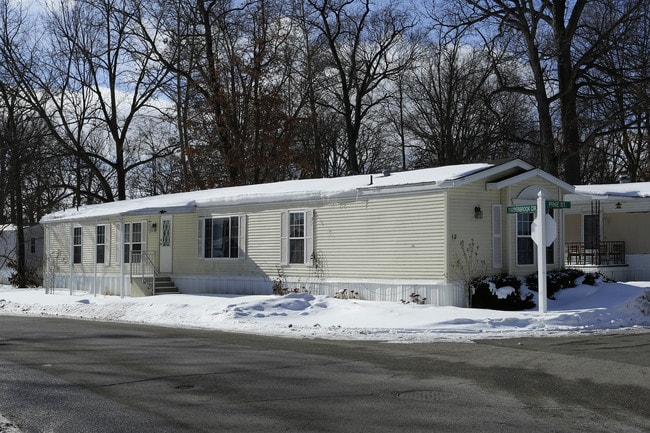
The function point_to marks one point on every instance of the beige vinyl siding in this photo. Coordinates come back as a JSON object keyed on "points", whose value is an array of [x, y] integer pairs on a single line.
{"points": [[616, 224], [263, 240], [57, 240], [616, 227], [60, 238], [463, 226], [186, 258], [185, 243], [401, 236], [382, 238], [573, 227]]}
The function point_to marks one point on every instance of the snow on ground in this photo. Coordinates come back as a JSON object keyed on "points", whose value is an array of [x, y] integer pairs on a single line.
{"points": [[604, 307]]}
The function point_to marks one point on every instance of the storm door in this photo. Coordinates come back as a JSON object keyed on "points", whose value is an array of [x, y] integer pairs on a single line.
{"points": [[166, 244]]}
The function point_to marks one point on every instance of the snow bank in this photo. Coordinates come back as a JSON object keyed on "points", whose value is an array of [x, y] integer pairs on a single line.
{"points": [[605, 307]]}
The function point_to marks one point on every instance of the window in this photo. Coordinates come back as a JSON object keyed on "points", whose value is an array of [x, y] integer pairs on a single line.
{"points": [[100, 243], [296, 238], [591, 231], [76, 245], [32, 245], [525, 244], [550, 250], [526, 247], [219, 237], [133, 242]]}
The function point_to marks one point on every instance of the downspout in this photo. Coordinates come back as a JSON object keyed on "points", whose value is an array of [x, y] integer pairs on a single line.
{"points": [[46, 258], [121, 250], [71, 256], [95, 264]]}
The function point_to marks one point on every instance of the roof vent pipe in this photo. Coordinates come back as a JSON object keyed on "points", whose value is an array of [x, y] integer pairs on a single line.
{"points": [[386, 172]]}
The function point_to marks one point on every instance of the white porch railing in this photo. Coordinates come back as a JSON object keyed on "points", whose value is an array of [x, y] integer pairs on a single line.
{"points": [[142, 266]]}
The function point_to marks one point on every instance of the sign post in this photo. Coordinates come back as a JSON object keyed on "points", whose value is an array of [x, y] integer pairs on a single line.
{"points": [[543, 231], [541, 252]]}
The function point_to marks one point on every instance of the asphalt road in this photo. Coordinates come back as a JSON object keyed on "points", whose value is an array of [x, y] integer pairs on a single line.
{"points": [[59, 375]]}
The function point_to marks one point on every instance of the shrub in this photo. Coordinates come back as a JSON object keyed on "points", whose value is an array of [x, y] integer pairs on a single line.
{"points": [[484, 297], [29, 278], [592, 277], [555, 281], [505, 280]]}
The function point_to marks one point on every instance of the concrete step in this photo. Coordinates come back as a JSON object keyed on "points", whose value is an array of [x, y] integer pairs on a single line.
{"points": [[164, 285]]}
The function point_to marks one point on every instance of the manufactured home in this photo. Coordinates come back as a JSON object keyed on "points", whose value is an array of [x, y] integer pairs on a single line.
{"points": [[607, 230], [379, 237], [9, 250]]}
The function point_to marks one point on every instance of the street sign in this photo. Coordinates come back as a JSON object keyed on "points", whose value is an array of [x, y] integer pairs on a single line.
{"points": [[555, 204], [550, 231], [530, 208]]}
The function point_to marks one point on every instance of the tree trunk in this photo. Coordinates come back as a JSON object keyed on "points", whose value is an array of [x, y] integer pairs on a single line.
{"points": [[570, 146]]}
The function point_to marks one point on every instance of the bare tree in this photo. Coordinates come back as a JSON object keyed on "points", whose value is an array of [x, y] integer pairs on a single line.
{"points": [[230, 60], [561, 42], [454, 108], [90, 78], [615, 104], [24, 161], [367, 48]]}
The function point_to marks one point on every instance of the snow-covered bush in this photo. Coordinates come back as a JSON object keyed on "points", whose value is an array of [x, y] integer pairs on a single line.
{"points": [[500, 292], [555, 280]]}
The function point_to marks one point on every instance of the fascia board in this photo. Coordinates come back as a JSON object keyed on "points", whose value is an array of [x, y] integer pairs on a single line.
{"points": [[527, 175]]}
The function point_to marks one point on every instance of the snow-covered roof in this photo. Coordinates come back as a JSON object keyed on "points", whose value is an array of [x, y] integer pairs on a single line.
{"points": [[632, 189], [294, 190]]}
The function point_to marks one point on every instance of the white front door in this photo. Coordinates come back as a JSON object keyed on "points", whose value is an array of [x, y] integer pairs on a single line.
{"points": [[166, 244]]}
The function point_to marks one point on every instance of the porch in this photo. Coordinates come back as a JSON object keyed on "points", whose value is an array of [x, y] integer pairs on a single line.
{"points": [[608, 253]]}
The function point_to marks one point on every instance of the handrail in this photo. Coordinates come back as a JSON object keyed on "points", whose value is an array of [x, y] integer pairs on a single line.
{"points": [[144, 267]]}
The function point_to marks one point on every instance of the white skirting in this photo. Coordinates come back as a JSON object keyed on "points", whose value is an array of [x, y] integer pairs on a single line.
{"points": [[429, 292]]}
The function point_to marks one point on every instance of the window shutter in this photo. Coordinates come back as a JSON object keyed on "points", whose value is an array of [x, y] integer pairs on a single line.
{"points": [[497, 236], [242, 236], [200, 238], [284, 238], [309, 237], [71, 246], [118, 242], [107, 244]]}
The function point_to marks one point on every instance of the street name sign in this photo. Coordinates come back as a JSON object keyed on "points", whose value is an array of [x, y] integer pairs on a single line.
{"points": [[555, 204], [530, 208]]}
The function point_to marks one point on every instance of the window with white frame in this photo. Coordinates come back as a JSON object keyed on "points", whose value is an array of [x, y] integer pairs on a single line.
{"points": [[77, 244], [100, 243], [133, 242], [296, 237], [550, 250], [525, 245], [220, 237]]}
